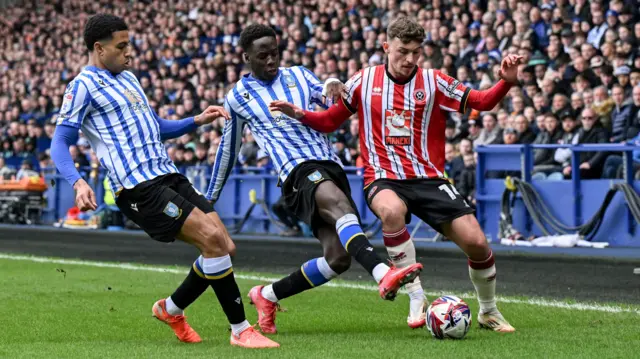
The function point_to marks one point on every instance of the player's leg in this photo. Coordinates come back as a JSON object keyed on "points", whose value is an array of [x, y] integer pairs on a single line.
{"points": [[311, 274], [214, 265], [393, 213], [205, 230], [465, 231], [165, 215], [446, 211], [151, 206], [336, 209], [194, 285], [231, 247]]}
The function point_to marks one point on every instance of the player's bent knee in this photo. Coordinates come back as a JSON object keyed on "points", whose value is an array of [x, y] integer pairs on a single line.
{"points": [[339, 263], [213, 242], [391, 214], [477, 246]]}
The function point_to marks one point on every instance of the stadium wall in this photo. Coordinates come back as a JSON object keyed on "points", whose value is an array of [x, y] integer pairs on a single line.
{"points": [[571, 201]]}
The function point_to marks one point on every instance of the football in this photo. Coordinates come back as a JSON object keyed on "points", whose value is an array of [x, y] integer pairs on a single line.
{"points": [[448, 317]]}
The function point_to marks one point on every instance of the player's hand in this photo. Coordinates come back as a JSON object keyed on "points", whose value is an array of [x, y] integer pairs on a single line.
{"points": [[85, 198], [566, 171], [585, 166], [509, 68], [210, 114], [333, 91], [288, 109]]}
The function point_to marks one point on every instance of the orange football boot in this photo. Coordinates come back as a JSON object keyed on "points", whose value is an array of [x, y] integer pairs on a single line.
{"points": [[178, 323]]}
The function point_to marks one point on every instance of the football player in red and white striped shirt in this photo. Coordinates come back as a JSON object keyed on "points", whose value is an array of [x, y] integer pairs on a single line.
{"points": [[402, 110]]}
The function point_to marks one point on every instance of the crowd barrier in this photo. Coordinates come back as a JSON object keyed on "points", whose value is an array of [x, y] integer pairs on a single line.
{"points": [[572, 201]]}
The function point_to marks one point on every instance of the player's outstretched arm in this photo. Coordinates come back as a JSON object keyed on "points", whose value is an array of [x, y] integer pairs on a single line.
{"points": [[75, 105], [63, 138], [175, 128], [486, 100], [227, 153], [323, 121]]}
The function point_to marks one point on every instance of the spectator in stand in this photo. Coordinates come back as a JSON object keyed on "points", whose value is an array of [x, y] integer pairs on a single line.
{"points": [[603, 105], [465, 147], [452, 133], [466, 186], [590, 162], [249, 151], [622, 126], [622, 74], [449, 155], [6, 172], [489, 132], [543, 161], [201, 155], [78, 157], [26, 171], [577, 102], [340, 148], [187, 58], [475, 129], [510, 136], [525, 134]]}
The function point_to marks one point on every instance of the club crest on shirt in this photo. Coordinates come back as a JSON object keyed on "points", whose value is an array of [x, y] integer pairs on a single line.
{"points": [[397, 127], [419, 95], [315, 177], [289, 80], [172, 210]]}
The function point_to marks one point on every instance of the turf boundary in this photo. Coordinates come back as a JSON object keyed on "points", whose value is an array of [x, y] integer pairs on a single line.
{"points": [[335, 284]]}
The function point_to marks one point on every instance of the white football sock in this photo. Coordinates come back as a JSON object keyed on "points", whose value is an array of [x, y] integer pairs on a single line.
{"points": [[172, 308], [402, 256], [484, 280], [236, 329], [380, 271], [416, 299], [269, 294]]}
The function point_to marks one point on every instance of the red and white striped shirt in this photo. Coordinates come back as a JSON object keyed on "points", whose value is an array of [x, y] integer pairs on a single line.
{"points": [[402, 124]]}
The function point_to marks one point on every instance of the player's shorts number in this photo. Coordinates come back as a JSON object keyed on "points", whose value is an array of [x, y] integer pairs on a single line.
{"points": [[450, 189]]}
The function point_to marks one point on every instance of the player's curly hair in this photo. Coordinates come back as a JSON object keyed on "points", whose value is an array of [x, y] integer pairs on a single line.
{"points": [[406, 29], [101, 27], [254, 32]]}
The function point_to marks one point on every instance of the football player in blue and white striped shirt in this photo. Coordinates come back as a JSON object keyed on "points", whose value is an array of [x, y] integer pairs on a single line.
{"points": [[314, 185], [108, 104]]}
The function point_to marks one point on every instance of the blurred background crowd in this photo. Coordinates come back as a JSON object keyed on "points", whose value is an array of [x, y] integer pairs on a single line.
{"points": [[578, 82]]}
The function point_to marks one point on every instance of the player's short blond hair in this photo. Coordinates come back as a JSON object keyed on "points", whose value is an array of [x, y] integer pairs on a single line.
{"points": [[406, 29]]}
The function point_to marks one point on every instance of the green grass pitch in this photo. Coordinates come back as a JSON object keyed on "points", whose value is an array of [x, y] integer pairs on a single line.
{"points": [[58, 310]]}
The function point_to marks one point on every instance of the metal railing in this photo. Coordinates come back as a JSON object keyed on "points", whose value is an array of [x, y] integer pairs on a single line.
{"points": [[520, 158]]}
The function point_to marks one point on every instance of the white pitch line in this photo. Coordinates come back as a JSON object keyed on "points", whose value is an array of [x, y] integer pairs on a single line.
{"points": [[336, 284]]}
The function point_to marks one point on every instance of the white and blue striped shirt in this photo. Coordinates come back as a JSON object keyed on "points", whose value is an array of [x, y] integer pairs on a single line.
{"points": [[287, 141], [114, 114]]}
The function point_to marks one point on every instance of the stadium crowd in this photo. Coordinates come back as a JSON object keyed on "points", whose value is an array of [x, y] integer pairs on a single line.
{"points": [[579, 82]]}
